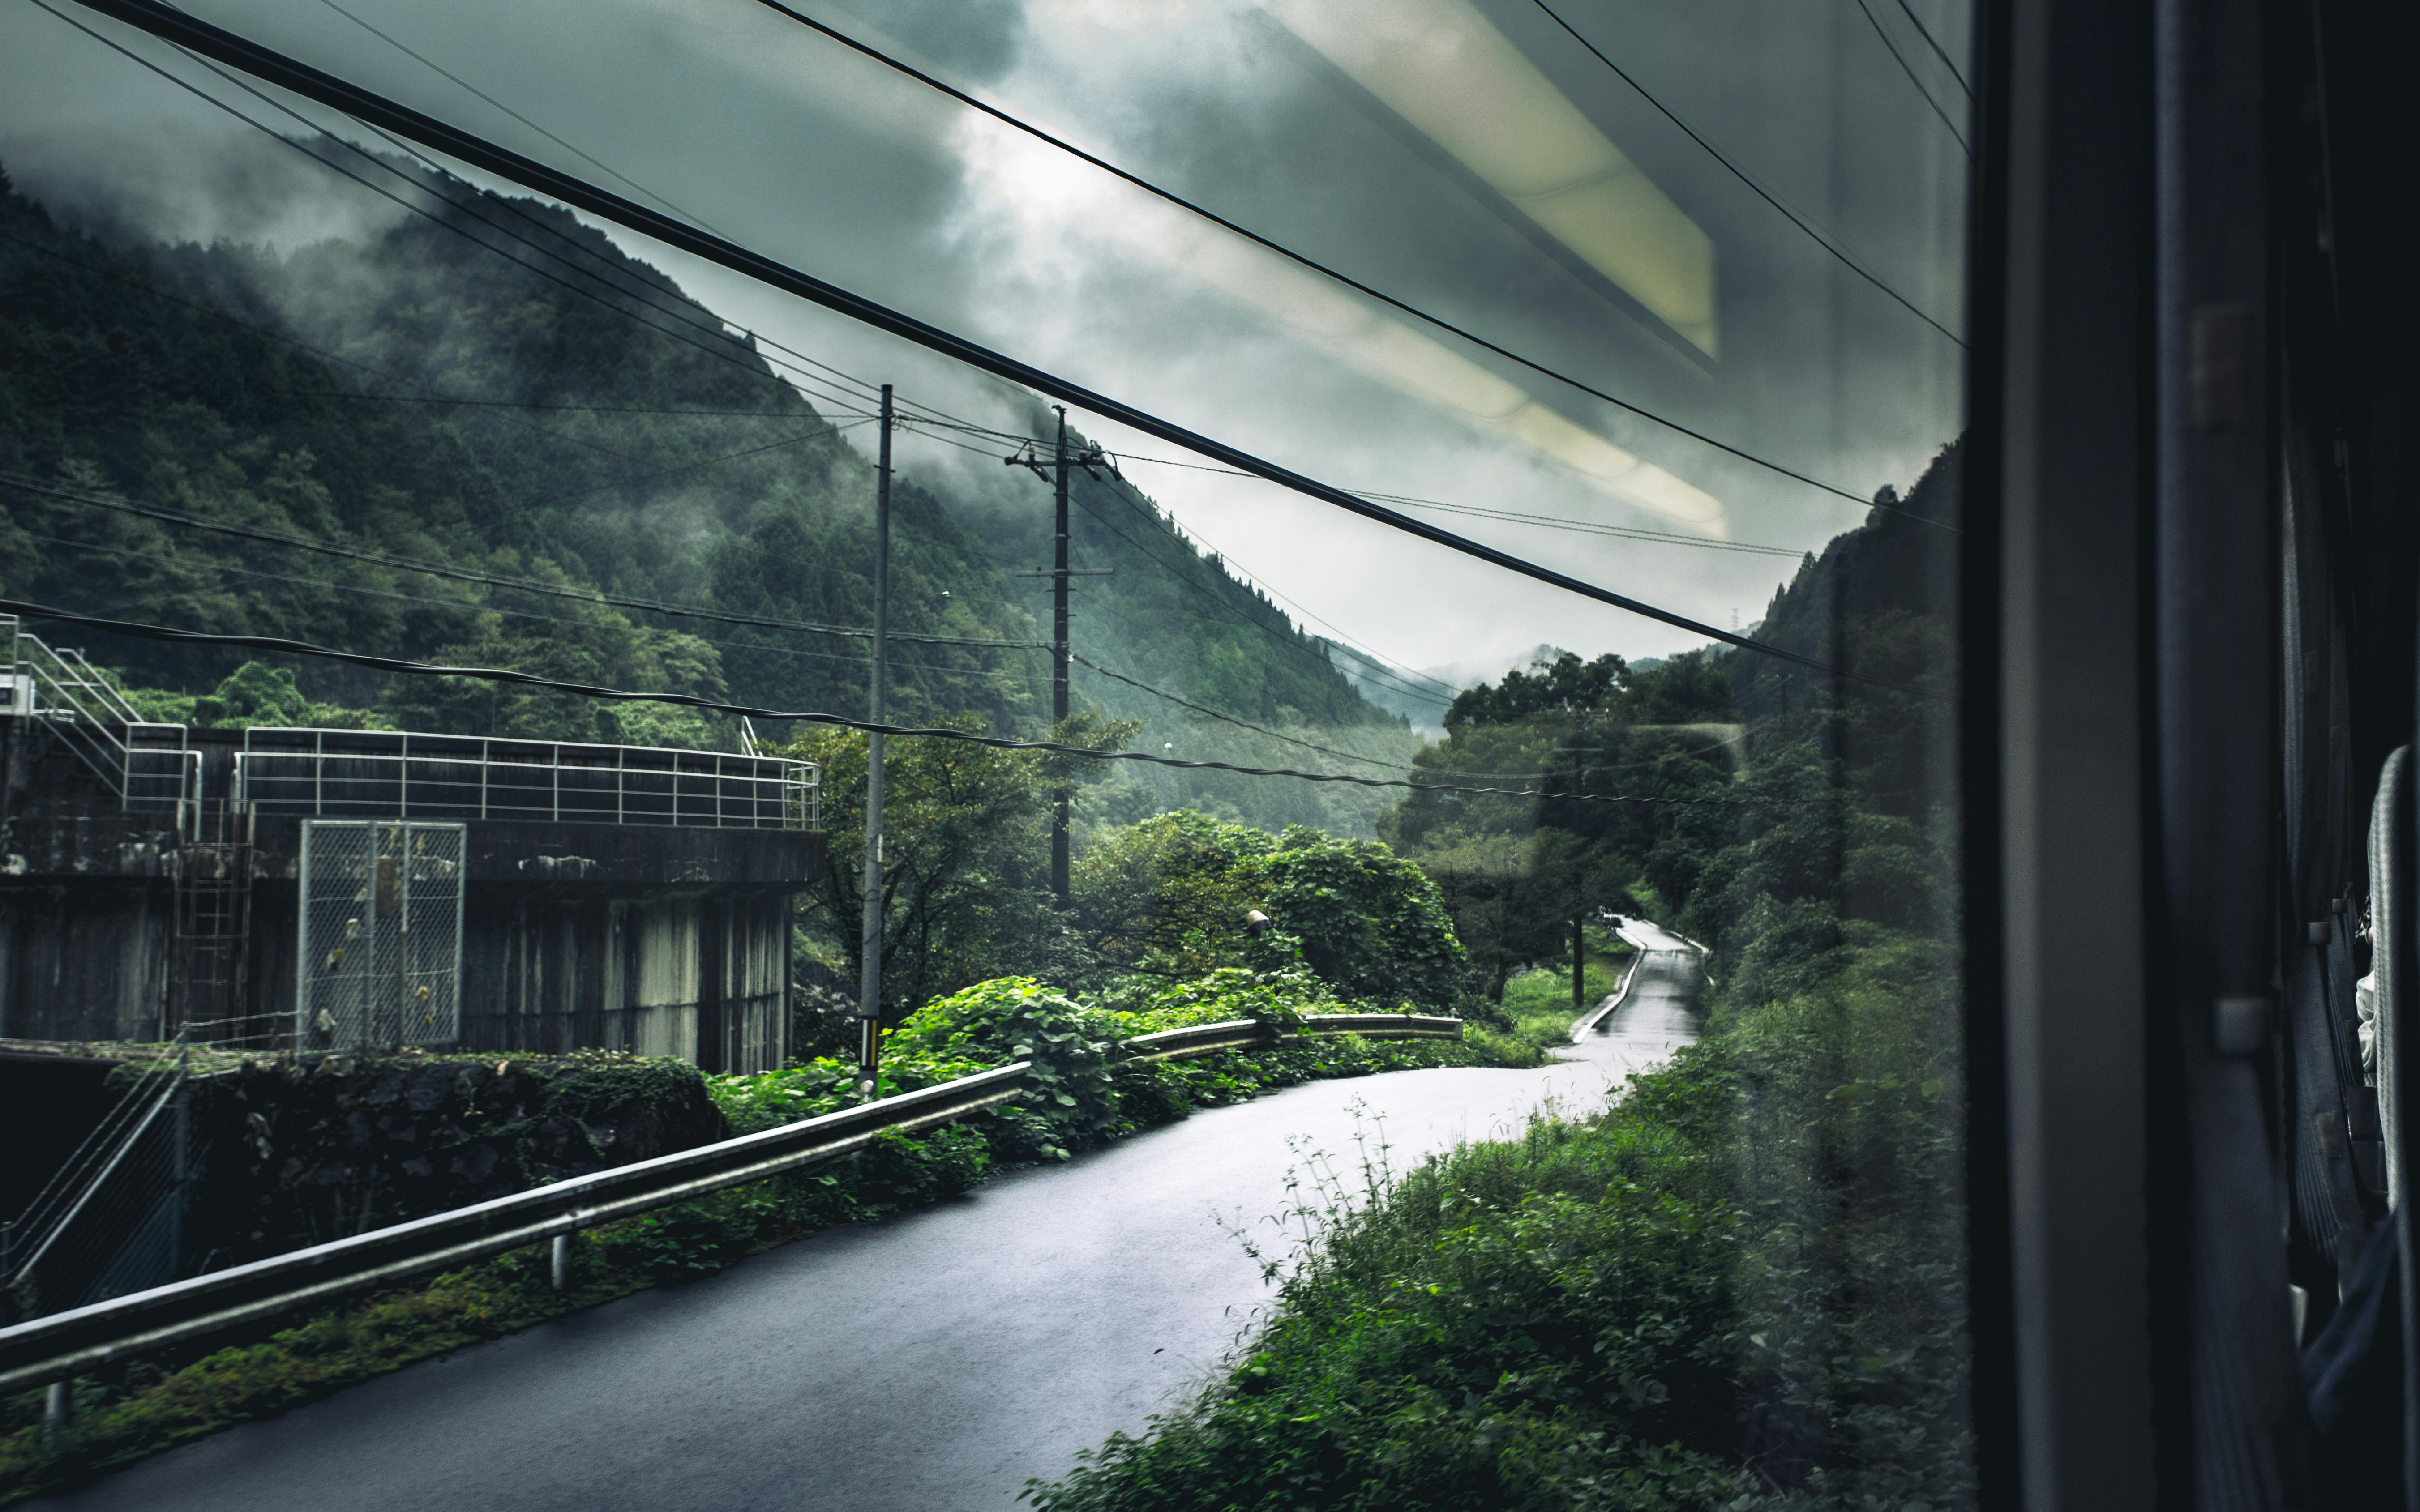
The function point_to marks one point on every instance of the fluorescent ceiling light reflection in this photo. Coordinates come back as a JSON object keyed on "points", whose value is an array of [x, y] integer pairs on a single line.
{"points": [[1442, 67], [1381, 347], [1055, 202]]}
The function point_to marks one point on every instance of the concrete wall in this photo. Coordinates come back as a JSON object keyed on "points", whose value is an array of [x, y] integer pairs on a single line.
{"points": [[82, 960], [661, 941], [701, 975]]}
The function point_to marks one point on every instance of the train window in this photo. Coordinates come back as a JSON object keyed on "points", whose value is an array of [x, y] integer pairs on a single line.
{"points": [[1218, 753]]}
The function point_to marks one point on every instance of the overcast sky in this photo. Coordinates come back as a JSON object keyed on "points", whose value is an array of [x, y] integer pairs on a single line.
{"points": [[1466, 157]]}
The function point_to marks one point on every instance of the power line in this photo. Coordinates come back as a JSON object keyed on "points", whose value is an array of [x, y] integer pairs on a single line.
{"points": [[1380, 667], [503, 675], [1582, 526], [1246, 724], [1926, 32], [231, 573], [433, 67], [190, 32], [523, 585], [1290, 254], [571, 408], [638, 295], [1740, 174], [1900, 59], [1628, 533]]}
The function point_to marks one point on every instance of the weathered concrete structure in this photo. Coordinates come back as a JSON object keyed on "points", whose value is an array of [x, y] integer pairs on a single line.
{"points": [[662, 935]]}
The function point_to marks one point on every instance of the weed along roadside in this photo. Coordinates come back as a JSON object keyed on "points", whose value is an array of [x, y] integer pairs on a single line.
{"points": [[1083, 1090]]}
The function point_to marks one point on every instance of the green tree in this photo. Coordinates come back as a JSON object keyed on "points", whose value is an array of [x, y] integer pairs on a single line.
{"points": [[966, 856], [1170, 897]]}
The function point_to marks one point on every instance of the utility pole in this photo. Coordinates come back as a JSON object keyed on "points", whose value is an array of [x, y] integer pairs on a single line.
{"points": [[1579, 910], [1062, 652], [1059, 653], [869, 992]]}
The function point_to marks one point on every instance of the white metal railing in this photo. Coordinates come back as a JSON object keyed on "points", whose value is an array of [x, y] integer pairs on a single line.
{"points": [[144, 762], [403, 775]]}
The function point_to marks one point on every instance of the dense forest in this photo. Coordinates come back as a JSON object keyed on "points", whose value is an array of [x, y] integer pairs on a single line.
{"points": [[488, 384]]}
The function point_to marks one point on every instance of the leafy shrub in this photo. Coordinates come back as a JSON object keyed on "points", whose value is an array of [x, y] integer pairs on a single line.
{"points": [[767, 1100], [1146, 1004], [1070, 1101]]}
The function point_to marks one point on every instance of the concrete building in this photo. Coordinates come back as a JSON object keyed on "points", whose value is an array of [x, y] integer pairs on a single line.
{"points": [[309, 890]]}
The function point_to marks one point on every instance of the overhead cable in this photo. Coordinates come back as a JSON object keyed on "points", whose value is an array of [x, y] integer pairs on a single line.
{"points": [[1082, 660], [1555, 522], [506, 674], [570, 408], [189, 32], [1926, 32], [635, 295], [491, 579], [231, 575], [1900, 59], [1742, 174]]}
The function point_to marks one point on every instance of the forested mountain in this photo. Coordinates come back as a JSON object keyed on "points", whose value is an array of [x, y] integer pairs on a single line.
{"points": [[492, 385]]}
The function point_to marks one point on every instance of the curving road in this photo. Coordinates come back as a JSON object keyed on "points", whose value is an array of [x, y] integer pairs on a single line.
{"points": [[927, 1362]]}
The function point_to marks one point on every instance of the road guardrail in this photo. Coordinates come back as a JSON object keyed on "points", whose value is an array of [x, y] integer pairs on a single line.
{"points": [[54, 1348], [1244, 1034], [61, 1345], [1586, 1023]]}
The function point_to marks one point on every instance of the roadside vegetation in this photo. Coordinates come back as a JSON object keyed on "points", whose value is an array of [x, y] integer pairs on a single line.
{"points": [[1081, 1095], [1743, 1285]]}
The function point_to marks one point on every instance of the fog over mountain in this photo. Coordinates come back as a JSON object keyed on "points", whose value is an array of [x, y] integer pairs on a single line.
{"points": [[751, 124]]}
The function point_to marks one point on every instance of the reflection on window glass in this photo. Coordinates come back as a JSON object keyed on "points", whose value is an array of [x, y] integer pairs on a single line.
{"points": [[1452, 1040]]}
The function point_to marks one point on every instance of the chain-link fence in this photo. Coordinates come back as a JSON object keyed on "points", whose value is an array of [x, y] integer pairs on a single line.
{"points": [[380, 959], [111, 1220]]}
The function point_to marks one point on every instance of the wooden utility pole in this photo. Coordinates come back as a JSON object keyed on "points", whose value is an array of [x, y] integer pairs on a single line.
{"points": [[869, 993]]}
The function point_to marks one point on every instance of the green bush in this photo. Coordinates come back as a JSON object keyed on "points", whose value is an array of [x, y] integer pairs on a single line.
{"points": [[1069, 1101]]}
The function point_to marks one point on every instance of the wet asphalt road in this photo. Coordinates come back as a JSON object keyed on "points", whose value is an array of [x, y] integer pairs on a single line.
{"points": [[927, 1362]]}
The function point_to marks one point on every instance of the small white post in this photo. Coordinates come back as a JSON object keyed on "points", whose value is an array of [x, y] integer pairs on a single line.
{"points": [[562, 1261], [60, 1409]]}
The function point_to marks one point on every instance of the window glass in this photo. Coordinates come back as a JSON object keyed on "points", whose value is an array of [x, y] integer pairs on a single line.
{"points": [[1597, 737]]}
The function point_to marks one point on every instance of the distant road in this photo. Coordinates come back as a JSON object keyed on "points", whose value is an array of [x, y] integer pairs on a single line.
{"points": [[929, 1363]]}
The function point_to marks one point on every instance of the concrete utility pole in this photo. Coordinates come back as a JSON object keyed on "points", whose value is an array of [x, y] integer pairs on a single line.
{"points": [[1579, 912], [869, 992], [1059, 653]]}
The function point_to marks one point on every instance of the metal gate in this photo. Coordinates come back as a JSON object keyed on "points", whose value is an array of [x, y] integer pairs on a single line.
{"points": [[380, 949]]}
